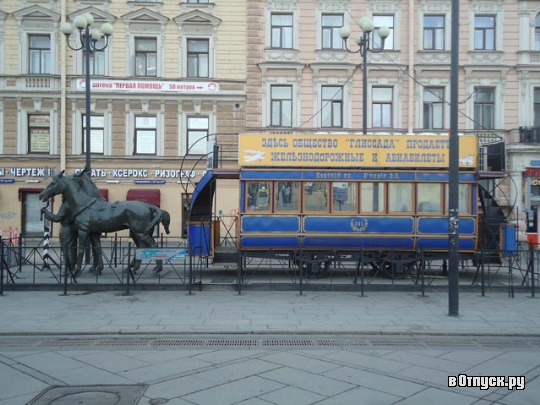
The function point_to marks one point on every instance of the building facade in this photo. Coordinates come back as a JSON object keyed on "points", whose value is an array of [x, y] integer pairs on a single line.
{"points": [[302, 77], [169, 84], [177, 72]]}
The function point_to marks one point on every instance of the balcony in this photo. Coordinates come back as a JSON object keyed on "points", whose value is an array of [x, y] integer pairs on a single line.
{"points": [[529, 134]]}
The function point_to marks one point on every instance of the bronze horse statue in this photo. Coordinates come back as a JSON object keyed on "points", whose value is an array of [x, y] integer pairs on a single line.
{"points": [[69, 232], [92, 215]]}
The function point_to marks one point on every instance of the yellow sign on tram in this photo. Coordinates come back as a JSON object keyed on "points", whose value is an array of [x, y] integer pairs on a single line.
{"points": [[378, 151]]}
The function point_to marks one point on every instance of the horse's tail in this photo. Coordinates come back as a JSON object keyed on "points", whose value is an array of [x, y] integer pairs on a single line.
{"points": [[166, 220], [159, 216]]}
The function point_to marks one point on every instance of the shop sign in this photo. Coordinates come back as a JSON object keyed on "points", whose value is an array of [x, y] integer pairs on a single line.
{"points": [[154, 176], [148, 86], [532, 172], [535, 162]]}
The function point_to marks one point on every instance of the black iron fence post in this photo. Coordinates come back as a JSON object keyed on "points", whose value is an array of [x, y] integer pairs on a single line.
{"points": [[531, 264], [1, 266]]}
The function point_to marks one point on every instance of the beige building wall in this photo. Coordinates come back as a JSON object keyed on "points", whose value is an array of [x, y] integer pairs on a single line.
{"points": [[171, 170]]}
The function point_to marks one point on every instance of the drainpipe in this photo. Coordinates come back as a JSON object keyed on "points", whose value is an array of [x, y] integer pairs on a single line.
{"points": [[63, 62], [412, 34]]}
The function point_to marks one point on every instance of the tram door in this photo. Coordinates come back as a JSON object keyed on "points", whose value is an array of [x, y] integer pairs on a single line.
{"points": [[186, 201]]}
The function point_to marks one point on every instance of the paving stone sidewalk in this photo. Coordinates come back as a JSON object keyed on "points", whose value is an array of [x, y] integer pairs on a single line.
{"points": [[40, 312]]}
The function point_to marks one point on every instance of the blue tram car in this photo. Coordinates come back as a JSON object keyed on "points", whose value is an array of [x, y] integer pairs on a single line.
{"points": [[321, 199]]}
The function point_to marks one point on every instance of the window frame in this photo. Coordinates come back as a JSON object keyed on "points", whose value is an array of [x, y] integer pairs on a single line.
{"points": [[92, 131], [197, 55], [100, 63], [278, 31], [137, 53], [30, 129], [430, 104], [280, 101], [138, 130], [35, 215], [389, 42], [190, 130], [536, 107], [403, 209], [381, 105], [419, 198], [331, 104], [294, 196], [479, 108], [248, 194], [434, 33], [483, 32], [332, 32], [354, 193], [381, 188], [45, 67], [305, 199], [537, 32]]}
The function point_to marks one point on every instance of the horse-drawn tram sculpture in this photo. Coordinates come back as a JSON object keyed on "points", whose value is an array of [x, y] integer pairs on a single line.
{"points": [[323, 200]]}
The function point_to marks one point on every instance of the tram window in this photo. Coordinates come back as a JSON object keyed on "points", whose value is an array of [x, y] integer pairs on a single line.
{"points": [[316, 197], [372, 197], [400, 197], [343, 197], [258, 196], [463, 205], [429, 197], [286, 194]]}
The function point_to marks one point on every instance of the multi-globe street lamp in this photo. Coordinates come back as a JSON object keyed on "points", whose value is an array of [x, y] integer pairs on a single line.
{"points": [[88, 38], [364, 43]]}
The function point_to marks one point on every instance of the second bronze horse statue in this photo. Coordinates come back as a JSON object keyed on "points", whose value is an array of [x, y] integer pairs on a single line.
{"points": [[92, 215]]}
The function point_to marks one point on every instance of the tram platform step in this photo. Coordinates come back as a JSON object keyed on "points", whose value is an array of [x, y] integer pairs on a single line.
{"points": [[225, 255]]}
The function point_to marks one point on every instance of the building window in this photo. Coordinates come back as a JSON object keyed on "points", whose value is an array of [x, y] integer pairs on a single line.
{"points": [[537, 32], [433, 108], [197, 135], [537, 107], [382, 107], [331, 23], [332, 106], [434, 32], [97, 60], [282, 31], [146, 57], [382, 21], [281, 106], [32, 224], [97, 133], [197, 1], [484, 32], [197, 57], [39, 50], [145, 135], [39, 133], [484, 108]]}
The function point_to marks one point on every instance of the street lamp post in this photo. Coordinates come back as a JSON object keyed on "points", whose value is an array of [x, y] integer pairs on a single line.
{"points": [[363, 42], [88, 38]]}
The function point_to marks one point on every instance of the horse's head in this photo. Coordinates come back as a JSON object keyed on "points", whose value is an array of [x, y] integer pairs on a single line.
{"points": [[55, 187]]}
